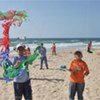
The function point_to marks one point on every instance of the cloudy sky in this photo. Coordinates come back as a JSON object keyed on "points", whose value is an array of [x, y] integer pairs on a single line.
{"points": [[55, 18]]}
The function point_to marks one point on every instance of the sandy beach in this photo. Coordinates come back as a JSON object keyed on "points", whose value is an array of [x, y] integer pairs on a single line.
{"points": [[52, 84]]}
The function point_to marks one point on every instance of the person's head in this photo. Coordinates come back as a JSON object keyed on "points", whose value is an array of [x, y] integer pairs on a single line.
{"points": [[54, 43], [41, 44], [90, 41], [78, 55], [21, 50]]}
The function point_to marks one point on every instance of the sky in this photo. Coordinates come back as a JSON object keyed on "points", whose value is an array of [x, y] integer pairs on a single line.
{"points": [[55, 18]]}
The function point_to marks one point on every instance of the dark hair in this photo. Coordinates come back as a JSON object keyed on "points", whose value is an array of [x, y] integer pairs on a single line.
{"points": [[28, 49], [41, 44], [21, 48], [78, 53]]}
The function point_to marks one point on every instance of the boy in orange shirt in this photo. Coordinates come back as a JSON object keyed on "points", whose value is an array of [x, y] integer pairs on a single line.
{"points": [[78, 69]]}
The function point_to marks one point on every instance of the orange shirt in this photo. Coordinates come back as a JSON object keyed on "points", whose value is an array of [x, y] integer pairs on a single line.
{"points": [[78, 77]]}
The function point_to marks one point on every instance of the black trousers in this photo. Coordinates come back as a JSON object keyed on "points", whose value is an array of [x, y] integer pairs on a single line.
{"points": [[23, 89], [76, 87]]}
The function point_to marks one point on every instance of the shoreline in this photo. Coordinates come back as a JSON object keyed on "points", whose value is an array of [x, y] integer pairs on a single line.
{"points": [[67, 48]]}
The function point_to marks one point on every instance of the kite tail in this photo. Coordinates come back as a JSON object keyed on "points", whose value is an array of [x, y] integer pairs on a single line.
{"points": [[31, 58], [11, 72]]}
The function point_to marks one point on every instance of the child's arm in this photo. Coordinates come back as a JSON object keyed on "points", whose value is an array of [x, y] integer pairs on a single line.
{"points": [[37, 49], [17, 63], [72, 69], [51, 47]]}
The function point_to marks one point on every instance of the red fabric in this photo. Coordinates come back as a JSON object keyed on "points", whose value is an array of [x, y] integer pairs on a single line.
{"points": [[89, 45], [5, 41], [54, 48]]}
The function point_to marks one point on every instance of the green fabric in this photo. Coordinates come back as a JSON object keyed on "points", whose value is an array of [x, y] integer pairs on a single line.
{"points": [[18, 15], [11, 71]]}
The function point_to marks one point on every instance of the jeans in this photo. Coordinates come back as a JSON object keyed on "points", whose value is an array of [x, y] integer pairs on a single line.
{"points": [[44, 59], [23, 89], [76, 87]]}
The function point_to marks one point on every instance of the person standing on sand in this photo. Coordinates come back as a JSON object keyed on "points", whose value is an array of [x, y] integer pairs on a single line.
{"points": [[22, 84], [78, 70], [53, 48], [89, 47], [42, 51]]}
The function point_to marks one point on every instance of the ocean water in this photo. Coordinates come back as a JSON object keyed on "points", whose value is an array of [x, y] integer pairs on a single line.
{"points": [[60, 42]]}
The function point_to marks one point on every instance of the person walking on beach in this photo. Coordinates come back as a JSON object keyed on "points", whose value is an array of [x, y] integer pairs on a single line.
{"points": [[42, 51], [78, 70], [89, 47], [22, 84], [53, 48]]}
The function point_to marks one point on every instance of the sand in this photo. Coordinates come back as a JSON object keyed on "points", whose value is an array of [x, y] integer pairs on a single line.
{"points": [[52, 84]]}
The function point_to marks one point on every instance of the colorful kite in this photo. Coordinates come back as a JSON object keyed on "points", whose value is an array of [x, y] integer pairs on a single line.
{"points": [[11, 72], [9, 18]]}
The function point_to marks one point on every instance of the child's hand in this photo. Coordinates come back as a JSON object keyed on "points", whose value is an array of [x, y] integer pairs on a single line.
{"points": [[17, 63], [86, 73], [75, 70]]}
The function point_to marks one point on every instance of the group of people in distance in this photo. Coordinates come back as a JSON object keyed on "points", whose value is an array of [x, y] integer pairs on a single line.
{"points": [[78, 70]]}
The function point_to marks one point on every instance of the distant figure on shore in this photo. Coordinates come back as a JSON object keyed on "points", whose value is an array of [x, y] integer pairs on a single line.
{"points": [[78, 69], [42, 51], [89, 47], [53, 48]]}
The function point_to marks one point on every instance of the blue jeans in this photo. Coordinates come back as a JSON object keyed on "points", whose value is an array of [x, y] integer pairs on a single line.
{"points": [[76, 87], [44, 59], [23, 89]]}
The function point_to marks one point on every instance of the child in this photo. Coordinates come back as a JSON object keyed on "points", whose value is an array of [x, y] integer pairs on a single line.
{"points": [[22, 84], [53, 48], [79, 70]]}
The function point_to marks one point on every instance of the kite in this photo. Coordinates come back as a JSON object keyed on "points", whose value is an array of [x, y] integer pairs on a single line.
{"points": [[9, 18], [12, 71]]}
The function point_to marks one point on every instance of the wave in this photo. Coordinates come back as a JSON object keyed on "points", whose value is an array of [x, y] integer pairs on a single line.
{"points": [[61, 45]]}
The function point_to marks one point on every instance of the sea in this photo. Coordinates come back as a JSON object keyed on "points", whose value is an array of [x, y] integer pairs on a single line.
{"points": [[60, 42]]}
